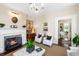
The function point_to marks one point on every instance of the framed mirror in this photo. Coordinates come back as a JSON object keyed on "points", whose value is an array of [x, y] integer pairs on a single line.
{"points": [[14, 19]]}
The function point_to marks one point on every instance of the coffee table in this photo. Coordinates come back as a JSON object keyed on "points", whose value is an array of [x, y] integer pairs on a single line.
{"points": [[23, 52]]}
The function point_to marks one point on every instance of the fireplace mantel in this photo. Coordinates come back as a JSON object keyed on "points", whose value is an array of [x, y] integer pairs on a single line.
{"points": [[10, 32]]}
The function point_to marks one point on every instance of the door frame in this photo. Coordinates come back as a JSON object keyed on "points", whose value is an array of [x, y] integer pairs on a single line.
{"points": [[73, 26], [69, 26]]}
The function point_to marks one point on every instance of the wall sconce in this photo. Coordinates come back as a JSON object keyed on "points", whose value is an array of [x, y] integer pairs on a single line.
{"points": [[14, 14]]}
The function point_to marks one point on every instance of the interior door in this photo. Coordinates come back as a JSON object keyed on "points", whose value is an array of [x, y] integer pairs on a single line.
{"points": [[64, 32]]}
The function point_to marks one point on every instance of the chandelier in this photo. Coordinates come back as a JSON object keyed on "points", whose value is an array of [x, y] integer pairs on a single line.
{"points": [[36, 7]]}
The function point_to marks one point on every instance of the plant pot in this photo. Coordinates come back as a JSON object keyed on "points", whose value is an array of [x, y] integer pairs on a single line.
{"points": [[30, 50]]}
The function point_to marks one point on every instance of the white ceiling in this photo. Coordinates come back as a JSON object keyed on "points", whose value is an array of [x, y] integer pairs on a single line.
{"points": [[54, 7]]}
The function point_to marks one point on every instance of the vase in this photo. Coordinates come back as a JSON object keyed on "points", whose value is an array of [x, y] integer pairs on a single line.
{"points": [[30, 50]]}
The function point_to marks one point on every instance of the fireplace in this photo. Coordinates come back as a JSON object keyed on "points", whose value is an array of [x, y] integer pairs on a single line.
{"points": [[11, 39], [12, 42]]}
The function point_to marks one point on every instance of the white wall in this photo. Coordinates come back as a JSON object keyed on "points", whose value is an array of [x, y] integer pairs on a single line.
{"points": [[52, 19], [5, 17], [38, 23], [73, 19]]}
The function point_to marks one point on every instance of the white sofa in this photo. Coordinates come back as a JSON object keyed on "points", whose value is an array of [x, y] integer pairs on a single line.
{"points": [[74, 51], [48, 42]]}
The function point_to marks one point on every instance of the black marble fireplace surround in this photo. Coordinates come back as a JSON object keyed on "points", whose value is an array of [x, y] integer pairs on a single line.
{"points": [[12, 43]]}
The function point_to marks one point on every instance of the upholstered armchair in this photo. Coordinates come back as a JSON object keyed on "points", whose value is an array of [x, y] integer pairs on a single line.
{"points": [[38, 38], [48, 40]]}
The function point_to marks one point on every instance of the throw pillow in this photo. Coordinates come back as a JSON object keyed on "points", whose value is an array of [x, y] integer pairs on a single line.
{"points": [[49, 37], [39, 35]]}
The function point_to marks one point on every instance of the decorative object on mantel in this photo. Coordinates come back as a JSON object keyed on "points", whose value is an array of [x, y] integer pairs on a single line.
{"points": [[13, 26], [23, 26], [2, 25], [14, 19]]}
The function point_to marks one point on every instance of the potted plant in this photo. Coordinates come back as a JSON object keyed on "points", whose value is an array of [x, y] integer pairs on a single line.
{"points": [[76, 40], [2, 25], [30, 46]]}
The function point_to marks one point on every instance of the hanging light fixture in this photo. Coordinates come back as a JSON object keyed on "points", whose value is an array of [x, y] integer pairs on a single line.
{"points": [[36, 7]]}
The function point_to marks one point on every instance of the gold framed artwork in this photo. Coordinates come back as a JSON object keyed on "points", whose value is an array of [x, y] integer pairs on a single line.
{"points": [[45, 29], [45, 24]]}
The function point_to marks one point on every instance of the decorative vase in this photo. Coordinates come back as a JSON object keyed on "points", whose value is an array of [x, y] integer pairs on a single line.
{"points": [[30, 50]]}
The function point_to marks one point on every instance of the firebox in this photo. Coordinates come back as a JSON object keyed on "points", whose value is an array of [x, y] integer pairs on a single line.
{"points": [[12, 42]]}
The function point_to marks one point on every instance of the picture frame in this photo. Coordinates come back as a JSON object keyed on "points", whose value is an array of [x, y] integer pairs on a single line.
{"points": [[45, 29], [45, 24]]}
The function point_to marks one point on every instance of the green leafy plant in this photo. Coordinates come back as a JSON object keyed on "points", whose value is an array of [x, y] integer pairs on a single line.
{"points": [[2, 25], [29, 44], [76, 39]]}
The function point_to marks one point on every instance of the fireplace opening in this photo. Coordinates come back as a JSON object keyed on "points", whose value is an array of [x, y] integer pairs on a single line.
{"points": [[13, 42]]}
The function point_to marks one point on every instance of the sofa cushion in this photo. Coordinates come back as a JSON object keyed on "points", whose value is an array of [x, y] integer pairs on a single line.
{"points": [[49, 37]]}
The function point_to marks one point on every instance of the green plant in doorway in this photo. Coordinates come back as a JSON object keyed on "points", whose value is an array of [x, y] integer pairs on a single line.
{"points": [[76, 40]]}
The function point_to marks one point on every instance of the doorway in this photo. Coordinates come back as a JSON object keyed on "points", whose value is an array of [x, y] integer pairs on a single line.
{"points": [[64, 33]]}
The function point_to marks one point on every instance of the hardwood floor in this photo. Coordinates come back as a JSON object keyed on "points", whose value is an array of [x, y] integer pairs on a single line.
{"points": [[54, 50]]}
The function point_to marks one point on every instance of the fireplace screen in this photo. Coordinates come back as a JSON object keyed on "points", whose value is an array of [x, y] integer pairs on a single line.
{"points": [[12, 42]]}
